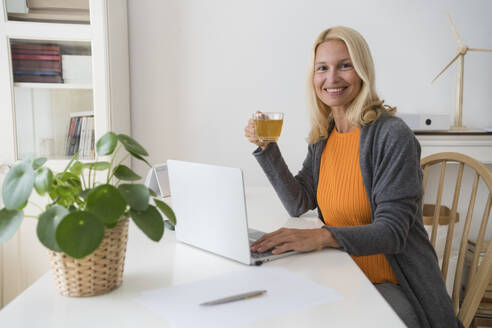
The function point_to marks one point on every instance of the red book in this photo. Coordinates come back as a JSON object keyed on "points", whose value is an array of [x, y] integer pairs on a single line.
{"points": [[38, 78], [69, 135], [36, 57], [35, 52], [34, 46], [36, 65]]}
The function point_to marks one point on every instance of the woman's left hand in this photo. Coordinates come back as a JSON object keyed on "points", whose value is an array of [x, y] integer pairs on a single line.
{"points": [[301, 240]]}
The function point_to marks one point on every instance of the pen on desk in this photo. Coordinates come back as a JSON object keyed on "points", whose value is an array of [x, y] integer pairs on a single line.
{"points": [[235, 298]]}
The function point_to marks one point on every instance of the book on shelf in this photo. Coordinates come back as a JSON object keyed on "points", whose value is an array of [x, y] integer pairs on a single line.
{"points": [[38, 78], [83, 137], [38, 65], [36, 57], [74, 141], [27, 51], [26, 72], [41, 63], [36, 48], [80, 134], [71, 126], [89, 135]]}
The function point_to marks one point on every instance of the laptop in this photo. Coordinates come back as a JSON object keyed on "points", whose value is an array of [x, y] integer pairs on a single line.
{"points": [[210, 208]]}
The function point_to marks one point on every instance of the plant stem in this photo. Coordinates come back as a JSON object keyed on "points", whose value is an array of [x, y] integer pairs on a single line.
{"points": [[123, 159], [111, 163], [83, 180], [94, 177], [89, 178], [76, 156]]}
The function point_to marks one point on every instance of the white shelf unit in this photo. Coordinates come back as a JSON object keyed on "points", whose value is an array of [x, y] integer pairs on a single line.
{"points": [[23, 259], [107, 37]]}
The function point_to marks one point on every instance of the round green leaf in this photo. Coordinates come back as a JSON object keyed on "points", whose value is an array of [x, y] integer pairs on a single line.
{"points": [[149, 221], [136, 195], [79, 234], [64, 190], [131, 145], [43, 180], [10, 221], [17, 185], [106, 144], [70, 178], [47, 224], [166, 210], [123, 172], [137, 156], [107, 203], [38, 162]]}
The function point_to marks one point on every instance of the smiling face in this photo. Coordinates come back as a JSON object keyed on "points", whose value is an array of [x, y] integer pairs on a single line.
{"points": [[335, 80]]}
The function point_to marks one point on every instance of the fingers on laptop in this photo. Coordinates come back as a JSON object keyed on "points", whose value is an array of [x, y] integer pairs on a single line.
{"points": [[284, 240], [272, 240]]}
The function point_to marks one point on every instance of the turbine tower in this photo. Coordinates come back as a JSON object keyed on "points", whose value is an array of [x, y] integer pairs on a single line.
{"points": [[460, 57]]}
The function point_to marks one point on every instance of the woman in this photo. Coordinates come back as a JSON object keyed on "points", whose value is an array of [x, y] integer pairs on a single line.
{"points": [[362, 172]]}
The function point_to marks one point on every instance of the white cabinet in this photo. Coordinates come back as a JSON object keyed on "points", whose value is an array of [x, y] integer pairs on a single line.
{"points": [[476, 145], [56, 64]]}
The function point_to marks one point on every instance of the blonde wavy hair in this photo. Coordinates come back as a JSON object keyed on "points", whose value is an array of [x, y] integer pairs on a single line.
{"points": [[366, 106]]}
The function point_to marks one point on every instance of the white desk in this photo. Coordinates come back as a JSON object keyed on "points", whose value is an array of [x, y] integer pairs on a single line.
{"points": [[152, 265]]}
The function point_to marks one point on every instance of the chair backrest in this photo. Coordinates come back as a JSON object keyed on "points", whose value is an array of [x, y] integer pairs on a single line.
{"points": [[480, 270]]}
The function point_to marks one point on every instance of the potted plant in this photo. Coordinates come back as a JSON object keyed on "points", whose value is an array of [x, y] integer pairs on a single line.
{"points": [[85, 224]]}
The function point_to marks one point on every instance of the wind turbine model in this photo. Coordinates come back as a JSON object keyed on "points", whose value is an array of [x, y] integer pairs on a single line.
{"points": [[460, 56]]}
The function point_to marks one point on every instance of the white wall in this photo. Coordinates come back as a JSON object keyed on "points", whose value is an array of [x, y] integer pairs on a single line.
{"points": [[199, 68]]}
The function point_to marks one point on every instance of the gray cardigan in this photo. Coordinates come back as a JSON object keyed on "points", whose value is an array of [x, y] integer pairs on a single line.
{"points": [[389, 158]]}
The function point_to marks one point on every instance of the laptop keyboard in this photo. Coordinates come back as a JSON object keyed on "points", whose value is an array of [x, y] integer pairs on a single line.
{"points": [[254, 235], [261, 255]]}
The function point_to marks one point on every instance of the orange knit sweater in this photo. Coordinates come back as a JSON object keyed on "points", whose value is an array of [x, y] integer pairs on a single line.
{"points": [[343, 200]]}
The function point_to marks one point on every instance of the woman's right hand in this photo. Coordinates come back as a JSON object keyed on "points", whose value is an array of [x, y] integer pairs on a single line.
{"points": [[250, 134]]}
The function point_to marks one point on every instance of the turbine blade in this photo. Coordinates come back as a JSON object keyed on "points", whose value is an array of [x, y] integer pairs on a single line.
{"points": [[477, 49], [445, 68], [454, 30]]}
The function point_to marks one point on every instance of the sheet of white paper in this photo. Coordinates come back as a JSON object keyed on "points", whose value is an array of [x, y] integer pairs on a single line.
{"points": [[286, 292]]}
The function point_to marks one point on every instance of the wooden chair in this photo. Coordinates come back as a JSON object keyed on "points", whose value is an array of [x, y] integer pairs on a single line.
{"points": [[480, 271]]}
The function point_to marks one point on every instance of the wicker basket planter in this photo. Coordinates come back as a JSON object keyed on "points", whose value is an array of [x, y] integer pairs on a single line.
{"points": [[97, 273]]}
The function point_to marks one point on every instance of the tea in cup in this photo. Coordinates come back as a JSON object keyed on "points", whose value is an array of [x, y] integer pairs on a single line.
{"points": [[268, 125]]}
